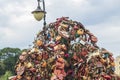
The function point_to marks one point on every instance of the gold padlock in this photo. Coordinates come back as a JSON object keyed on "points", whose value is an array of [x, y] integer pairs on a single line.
{"points": [[29, 65], [52, 33], [50, 60], [39, 57], [64, 25], [58, 38], [36, 50], [44, 64], [63, 46], [103, 60], [112, 63], [80, 31], [39, 43], [57, 47]]}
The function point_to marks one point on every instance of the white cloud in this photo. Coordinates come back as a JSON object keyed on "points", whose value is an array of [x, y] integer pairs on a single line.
{"points": [[18, 27]]}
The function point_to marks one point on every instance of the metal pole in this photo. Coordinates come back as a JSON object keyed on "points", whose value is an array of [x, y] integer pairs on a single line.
{"points": [[38, 4], [44, 23], [44, 14]]}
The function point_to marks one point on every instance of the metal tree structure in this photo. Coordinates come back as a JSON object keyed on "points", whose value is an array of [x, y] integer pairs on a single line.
{"points": [[65, 50]]}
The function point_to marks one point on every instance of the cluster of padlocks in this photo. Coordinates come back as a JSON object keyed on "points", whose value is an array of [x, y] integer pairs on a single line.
{"points": [[65, 50]]}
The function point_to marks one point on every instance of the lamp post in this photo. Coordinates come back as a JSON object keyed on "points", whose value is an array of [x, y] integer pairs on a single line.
{"points": [[39, 13]]}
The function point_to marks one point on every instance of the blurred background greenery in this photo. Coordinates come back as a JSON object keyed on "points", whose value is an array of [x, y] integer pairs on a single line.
{"points": [[8, 59]]}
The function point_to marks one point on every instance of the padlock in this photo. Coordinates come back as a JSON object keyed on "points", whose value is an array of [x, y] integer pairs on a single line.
{"points": [[39, 57], [28, 77], [63, 33], [23, 56], [99, 64], [32, 70], [61, 19], [59, 68], [58, 38], [54, 77], [82, 42], [62, 54], [50, 60], [48, 36], [77, 35], [63, 25], [111, 58], [44, 64], [63, 46], [52, 33], [20, 70], [112, 63], [45, 56], [84, 78], [39, 43], [29, 65], [18, 77], [72, 32], [94, 39], [66, 55], [76, 27], [103, 60], [80, 31], [60, 63], [33, 56], [84, 52], [35, 50], [107, 77], [75, 57], [57, 47]]}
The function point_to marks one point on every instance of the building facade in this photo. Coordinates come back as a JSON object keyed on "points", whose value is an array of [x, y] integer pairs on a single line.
{"points": [[117, 67]]}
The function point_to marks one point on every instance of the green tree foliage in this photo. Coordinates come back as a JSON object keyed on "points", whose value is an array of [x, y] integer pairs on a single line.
{"points": [[10, 63], [10, 51], [6, 75], [8, 58], [2, 68]]}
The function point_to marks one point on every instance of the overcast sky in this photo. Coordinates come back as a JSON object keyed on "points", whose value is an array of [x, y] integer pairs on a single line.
{"points": [[102, 17]]}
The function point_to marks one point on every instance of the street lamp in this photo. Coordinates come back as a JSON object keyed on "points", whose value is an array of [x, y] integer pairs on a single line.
{"points": [[39, 13]]}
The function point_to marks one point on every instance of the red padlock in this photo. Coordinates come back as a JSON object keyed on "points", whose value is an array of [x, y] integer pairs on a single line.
{"points": [[84, 52], [94, 39], [76, 27]]}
